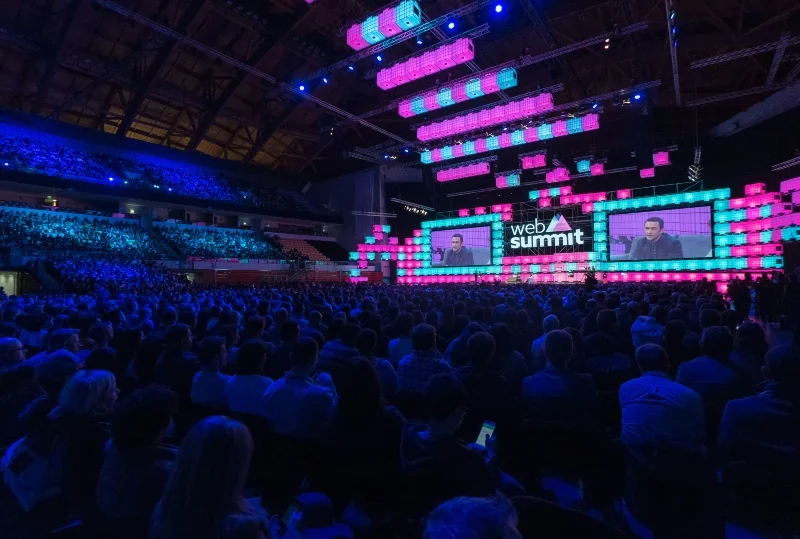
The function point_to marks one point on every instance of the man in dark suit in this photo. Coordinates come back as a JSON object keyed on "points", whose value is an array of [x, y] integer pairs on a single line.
{"points": [[457, 255], [656, 244], [557, 393]]}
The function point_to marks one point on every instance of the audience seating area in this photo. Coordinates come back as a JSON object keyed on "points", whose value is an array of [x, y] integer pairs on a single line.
{"points": [[304, 248], [35, 154], [209, 242], [330, 249], [627, 410]]}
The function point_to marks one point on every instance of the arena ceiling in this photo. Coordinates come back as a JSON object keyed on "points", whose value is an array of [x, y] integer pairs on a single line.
{"points": [[124, 67]]}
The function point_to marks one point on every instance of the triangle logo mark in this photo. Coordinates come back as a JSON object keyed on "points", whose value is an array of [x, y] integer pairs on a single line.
{"points": [[559, 224]]}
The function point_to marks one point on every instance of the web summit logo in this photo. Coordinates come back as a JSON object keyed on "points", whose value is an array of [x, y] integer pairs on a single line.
{"points": [[557, 234]]}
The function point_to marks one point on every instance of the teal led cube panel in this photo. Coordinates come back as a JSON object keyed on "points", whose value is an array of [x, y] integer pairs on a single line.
{"points": [[444, 97], [662, 200], [507, 78], [584, 165]]}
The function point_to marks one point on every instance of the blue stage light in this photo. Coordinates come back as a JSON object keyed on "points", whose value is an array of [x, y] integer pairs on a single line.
{"points": [[407, 150], [302, 88], [386, 156], [5, 164], [419, 41], [169, 189], [637, 97], [451, 25], [325, 80], [498, 8], [110, 179], [379, 58], [351, 68], [126, 182], [595, 105]]}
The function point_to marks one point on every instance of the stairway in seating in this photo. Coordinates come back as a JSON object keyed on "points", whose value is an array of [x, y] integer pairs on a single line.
{"points": [[304, 248]]}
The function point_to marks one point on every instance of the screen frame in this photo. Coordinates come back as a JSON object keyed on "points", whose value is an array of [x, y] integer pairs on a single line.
{"points": [[664, 207], [464, 227]]}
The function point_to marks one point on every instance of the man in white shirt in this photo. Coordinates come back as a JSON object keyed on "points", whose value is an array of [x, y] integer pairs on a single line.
{"points": [[208, 385], [245, 389], [656, 411], [298, 405]]}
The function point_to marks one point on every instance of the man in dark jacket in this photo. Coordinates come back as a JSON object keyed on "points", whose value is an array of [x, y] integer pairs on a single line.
{"points": [[655, 244], [457, 255], [177, 366]]}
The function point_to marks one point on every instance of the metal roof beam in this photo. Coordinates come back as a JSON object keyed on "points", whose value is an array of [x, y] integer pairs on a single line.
{"points": [[140, 93]]}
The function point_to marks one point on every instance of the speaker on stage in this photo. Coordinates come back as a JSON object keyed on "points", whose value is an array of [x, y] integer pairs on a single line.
{"points": [[393, 272]]}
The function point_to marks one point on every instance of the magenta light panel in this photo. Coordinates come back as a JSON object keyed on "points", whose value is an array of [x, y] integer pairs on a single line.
{"points": [[597, 169], [534, 161], [560, 174], [647, 172], [458, 173], [755, 189], [482, 145], [439, 59], [389, 22], [488, 117], [790, 185], [660, 159]]}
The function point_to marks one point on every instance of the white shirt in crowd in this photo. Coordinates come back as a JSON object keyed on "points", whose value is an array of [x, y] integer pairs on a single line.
{"points": [[208, 389], [244, 393]]}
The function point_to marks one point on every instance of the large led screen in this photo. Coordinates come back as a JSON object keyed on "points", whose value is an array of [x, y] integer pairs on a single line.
{"points": [[661, 234], [459, 247]]}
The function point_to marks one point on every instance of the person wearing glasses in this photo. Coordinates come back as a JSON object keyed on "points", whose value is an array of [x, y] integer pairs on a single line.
{"points": [[12, 351]]}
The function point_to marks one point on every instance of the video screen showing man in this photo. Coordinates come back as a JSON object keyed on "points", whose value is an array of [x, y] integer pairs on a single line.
{"points": [[461, 247], [457, 255], [656, 244]]}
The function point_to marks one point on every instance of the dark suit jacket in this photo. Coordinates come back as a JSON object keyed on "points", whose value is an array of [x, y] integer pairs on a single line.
{"points": [[559, 395], [667, 248], [461, 258]]}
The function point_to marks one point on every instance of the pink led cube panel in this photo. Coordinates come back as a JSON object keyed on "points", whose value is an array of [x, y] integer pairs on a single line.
{"points": [[597, 169], [582, 198], [439, 59], [623, 194], [458, 150], [393, 240], [377, 228], [586, 207], [501, 208], [545, 202], [378, 236], [501, 181], [796, 198], [790, 185], [754, 200], [405, 109], [755, 189], [387, 23], [590, 122], [534, 161], [764, 249], [647, 173], [436, 154], [409, 241], [660, 159], [559, 174], [418, 233], [463, 213], [480, 210], [544, 102], [430, 101], [488, 117], [467, 171], [354, 38], [505, 140]]}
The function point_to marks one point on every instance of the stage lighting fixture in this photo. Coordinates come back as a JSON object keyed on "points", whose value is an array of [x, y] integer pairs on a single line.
{"points": [[419, 41], [325, 80], [498, 8], [126, 182], [351, 68], [110, 179], [379, 58], [637, 97], [607, 44], [451, 25], [595, 105], [302, 88], [406, 150], [386, 156], [169, 189], [5, 164], [672, 14]]}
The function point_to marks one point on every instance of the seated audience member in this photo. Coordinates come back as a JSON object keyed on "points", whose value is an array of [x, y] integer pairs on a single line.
{"points": [[400, 347], [657, 412], [604, 341], [714, 376], [12, 351], [456, 353], [750, 348], [18, 390], [672, 342], [177, 366], [204, 497], [507, 360], [104, 359], [491, 397], [315, 322], [338, 355], [298, 315], [432, 454], [367, 341], [101, 335], [556, 393], [137, 464], [51, 376], [244, 390], [254, 328], [423, 363], [208, 385], [708, 318], [66, 339], [550, 323], [648, 329], [280, 360], [604, 361], [64, 462], [297, 405], [274, 332], [770, 419], [471, 518]]}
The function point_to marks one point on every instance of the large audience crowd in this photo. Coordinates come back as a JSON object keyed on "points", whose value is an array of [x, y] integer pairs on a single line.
{"points": [[381, 411], [209, 242], [114, 274], [54, 232], [44, 156]]}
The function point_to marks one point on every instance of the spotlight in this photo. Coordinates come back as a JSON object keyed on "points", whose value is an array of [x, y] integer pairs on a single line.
{"points": [[386, 156], [419, 41], [379, 58], [110, 179], [595, 105], [498, 8], [5, 164], [451, 25], [325, 80], [157, 187], [672, 14], [406, 150], [169, 189], [131, 211], [126, 182], [302, 88], [637, 97], [351, 68]]}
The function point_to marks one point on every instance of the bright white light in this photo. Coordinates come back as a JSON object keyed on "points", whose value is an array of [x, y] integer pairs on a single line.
{"points": [[498, 8]]}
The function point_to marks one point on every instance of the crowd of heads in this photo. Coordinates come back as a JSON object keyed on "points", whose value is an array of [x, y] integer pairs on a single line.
{"points": [[383, 388], [207, 242], [43, 156]]}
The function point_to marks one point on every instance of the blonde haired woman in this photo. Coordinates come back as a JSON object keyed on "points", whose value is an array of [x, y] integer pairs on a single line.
{"points": [[204, 496], [62, 458]]}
